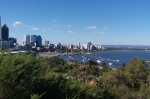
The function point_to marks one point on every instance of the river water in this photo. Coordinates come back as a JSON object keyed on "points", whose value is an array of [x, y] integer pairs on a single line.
{"points": [[113, 59]]}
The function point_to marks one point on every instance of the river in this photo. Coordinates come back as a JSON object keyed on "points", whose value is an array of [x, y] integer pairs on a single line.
{"points": [[113, 59]]}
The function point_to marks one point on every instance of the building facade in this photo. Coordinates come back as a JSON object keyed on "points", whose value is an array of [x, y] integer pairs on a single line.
{"points": [[5, 44], [13, 41], [38, 41], [51, 47], [58, 46], [47, 43], [89, 46], [5, 33], [26, 39], [33, 38]]}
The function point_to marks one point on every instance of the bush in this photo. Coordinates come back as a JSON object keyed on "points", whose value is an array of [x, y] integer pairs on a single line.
{"points": [[91, 62], [19, 75]]}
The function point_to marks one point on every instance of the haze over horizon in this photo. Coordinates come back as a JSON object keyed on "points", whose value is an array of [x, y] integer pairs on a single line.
{"points": [[105, 22]]}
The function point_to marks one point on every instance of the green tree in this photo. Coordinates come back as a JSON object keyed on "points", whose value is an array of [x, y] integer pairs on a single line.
{"points": [[19, 75], [139, 71], [91, 62]]}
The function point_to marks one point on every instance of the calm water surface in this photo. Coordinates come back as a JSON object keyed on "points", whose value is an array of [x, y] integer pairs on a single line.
{"points": [[111, 58]]}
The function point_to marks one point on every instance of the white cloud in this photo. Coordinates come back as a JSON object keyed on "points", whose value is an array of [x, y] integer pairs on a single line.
{"points": [[28, 26], [91, 27], [70, 32], [34, 28], [31, 27], [17, 23], [99, 32]]}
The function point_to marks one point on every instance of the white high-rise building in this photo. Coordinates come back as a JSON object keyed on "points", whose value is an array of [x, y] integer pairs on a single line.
{"points": [[26, 39]]}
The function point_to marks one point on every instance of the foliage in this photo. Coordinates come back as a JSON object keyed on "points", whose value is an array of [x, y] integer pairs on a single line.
{"points": [[36, 96], [19, 75], [25, 76], [138, 69], [56, 61], [91, 62]]}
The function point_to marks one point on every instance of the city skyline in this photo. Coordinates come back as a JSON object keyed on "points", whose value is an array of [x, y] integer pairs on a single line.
{"points": [[102, 22]]}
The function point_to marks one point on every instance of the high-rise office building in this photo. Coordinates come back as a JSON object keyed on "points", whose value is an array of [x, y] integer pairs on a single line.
{"points": [[89, 45], [38, 41], [5, 33], [33, 38], [70, 47], [47, 43], [79, 46], [51, 47], [59, 47], [26, 39], [5, 42], [33, 41]]}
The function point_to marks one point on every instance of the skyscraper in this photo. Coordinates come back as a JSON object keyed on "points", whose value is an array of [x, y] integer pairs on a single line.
{"points": [[59, 47], [26, 39], [33, 38], [89, 45], [46, 43], [5, 33], [38, 41]]}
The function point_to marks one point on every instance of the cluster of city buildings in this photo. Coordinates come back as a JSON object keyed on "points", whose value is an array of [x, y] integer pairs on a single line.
{"points": [[87, 47], [34, 43], [6, 41]]}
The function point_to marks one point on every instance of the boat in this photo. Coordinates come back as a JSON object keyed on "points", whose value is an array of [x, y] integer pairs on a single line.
{"points": [[109, 63], [98, 61]]}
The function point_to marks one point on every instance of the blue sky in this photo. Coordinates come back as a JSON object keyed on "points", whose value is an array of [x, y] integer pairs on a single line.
{"points": [[104, 22]]}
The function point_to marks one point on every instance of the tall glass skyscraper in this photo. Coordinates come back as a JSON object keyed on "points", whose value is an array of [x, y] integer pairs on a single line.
{"points": [[38, 41], [33, 38], [5, 33]]}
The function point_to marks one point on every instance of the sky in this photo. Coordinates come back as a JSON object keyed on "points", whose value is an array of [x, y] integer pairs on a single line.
{"points": [[102, 22]]}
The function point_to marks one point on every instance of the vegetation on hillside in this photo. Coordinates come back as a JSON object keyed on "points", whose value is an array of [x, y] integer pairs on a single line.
{"points": [[24, 76]]}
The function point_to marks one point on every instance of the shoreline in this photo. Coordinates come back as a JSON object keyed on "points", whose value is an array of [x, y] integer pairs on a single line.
{"points": [[52, 54]]}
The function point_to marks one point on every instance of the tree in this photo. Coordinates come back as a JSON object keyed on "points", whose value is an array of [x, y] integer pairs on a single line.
{"points": [[139, 71], [20, 74], [91, 62]]}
